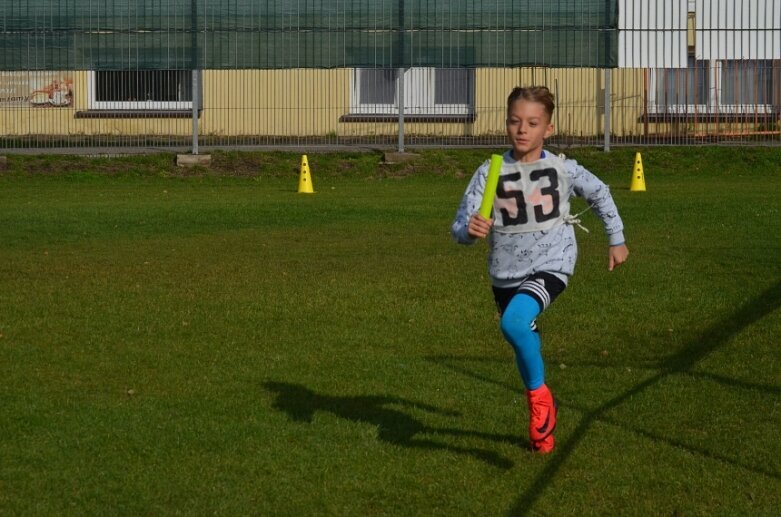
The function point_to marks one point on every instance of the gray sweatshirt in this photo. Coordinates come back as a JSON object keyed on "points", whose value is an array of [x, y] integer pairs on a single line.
{"points": [[517, 247]]}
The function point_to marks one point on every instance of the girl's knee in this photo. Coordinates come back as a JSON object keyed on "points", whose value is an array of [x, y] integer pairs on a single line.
{"points": [[515, 325], [518, 319]]}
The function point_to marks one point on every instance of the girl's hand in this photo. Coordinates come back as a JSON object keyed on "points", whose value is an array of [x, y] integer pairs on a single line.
{"points": [[479, 226], [617, 256]]}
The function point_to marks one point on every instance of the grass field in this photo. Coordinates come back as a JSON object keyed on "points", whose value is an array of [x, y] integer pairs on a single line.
{"points": [[217, 343]]}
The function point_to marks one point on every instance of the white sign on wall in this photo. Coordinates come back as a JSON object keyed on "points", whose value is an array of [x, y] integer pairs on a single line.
{"points": [[37, 88]]}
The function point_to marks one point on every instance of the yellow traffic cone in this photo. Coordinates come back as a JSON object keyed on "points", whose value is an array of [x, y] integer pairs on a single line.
{"points": [[305, 178], [638, 179]]}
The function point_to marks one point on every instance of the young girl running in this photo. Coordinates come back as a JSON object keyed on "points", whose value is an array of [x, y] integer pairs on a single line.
{"points": [[531, 239]]}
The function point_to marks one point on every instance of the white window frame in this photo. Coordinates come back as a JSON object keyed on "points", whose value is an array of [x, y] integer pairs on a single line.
{"points": [[95, 104], [714, 104], [419, 96], [737, 108]]}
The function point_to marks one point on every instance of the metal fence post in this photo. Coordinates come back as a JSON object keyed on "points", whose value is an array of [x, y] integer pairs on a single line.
{"points": [[607, 110], [401, 110], [400, 89], [194, 66], [196, 97]]}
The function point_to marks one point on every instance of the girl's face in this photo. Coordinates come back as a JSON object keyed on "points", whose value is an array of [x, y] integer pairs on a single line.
{"points": [[528, 126]]}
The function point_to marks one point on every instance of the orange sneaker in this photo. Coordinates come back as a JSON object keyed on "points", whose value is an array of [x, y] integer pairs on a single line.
{"points": [[544, 446], [542, 413]]}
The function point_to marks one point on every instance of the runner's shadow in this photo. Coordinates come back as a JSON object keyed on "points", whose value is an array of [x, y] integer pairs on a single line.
{"points": [[393, 426]]}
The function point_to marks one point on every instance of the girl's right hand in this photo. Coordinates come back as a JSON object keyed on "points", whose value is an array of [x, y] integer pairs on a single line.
{"points": [[479, 226]]}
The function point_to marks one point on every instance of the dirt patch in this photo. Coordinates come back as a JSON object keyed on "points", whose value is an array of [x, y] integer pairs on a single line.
{"points": [[243, 164], [237, 164]]}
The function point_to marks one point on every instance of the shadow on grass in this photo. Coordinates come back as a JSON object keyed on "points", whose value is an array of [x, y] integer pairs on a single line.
{"points": [[681, 362], [768, 389], [393, 426], [712, 339], [448, 362]]}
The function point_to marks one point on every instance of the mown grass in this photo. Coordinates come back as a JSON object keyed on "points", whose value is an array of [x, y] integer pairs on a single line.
{"points": [[213, 342]]}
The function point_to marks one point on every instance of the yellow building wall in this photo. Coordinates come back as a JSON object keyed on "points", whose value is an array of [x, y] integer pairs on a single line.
{"points": [[28, 120], [297, 103], [24, 118], [305, 103], [301, 103], [579, 94], [274, 102]]}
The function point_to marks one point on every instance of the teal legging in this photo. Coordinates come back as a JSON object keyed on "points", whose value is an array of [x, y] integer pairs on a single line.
{"points": [[516, 326]]}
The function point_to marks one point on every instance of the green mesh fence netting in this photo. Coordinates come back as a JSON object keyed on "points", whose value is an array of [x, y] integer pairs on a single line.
{"points": [[272, 34]]}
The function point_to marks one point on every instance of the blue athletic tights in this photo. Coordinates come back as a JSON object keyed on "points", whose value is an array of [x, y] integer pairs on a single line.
{"points": [[516, 326]]}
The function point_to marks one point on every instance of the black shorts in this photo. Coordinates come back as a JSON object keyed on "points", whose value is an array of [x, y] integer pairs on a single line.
{"points": [[543, 287]]}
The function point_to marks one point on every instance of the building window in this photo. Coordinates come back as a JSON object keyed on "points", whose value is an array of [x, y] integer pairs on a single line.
{"points": [[680, 90], [427, 91], [140, 90], [714, 86], [746, 84]]}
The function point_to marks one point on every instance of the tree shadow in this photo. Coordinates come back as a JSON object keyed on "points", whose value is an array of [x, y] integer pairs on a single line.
{"points": [[681, 362], [452, 363], [680, 444], [393, 426]]}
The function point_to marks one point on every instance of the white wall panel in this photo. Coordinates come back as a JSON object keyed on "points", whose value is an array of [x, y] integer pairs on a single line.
{"points": [[738, 29], [652, 33]]}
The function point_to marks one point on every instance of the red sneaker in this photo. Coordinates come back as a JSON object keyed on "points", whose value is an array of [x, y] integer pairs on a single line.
{"points": [[542, 413], [544, 446]]}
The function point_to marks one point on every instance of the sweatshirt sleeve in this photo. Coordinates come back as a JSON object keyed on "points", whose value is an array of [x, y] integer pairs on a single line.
{"points": [[597, 195], [470, 204]]}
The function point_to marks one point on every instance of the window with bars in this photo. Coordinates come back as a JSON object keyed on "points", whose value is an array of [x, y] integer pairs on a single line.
{"points": [[140, 90]]}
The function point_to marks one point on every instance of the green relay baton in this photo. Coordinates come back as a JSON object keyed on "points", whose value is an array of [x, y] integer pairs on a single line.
{"points": [[490, 185]]}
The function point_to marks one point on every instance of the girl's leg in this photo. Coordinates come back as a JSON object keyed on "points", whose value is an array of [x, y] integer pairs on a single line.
{"points": [[519, 311], [517, 326]]}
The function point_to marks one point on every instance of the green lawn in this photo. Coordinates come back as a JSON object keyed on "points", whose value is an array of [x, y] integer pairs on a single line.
{"points": [[214, 342]]}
